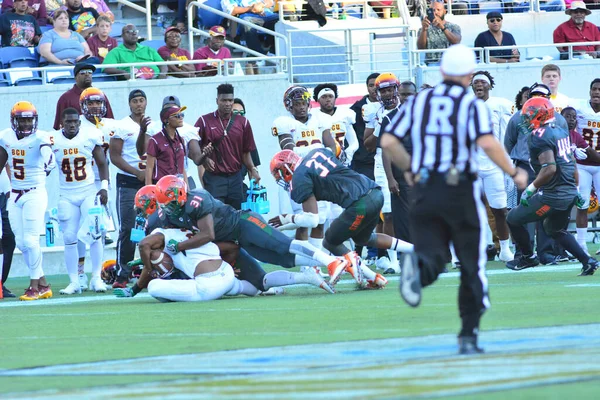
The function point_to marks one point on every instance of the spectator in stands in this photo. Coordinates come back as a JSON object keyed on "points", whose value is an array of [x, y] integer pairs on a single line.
{"points": [[19, 28], [36, 8], [101, 43], [214, 50], [495, 36], [70, 98], [437, 34], [61, 46], [577, 29], [551, 77], [82, 19], [100, 6], [51, 7], [232, 142], [258, 12], [172, 51], [132, 52]]}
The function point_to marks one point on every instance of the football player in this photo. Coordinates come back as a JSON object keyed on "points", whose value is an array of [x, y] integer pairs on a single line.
{"points": [[321, 176], [75, 150], [387, 86], [29, 153], [490, 175], [588, 124], [554, 164], [302, 131]]}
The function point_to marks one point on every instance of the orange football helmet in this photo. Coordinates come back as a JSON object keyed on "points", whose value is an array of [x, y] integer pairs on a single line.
{"points": [[145, 200], [92, 94], [536, 112], [294, 93], [282, 167], [20, 114], [385, 80], [109, 271], [171, 194]]}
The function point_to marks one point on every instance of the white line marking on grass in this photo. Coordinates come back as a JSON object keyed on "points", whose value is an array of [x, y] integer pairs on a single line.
{"points": [[584, 285]]}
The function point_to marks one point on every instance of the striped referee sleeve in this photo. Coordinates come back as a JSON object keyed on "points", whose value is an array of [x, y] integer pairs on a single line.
{"points": [[401, 123], [480, 122]]}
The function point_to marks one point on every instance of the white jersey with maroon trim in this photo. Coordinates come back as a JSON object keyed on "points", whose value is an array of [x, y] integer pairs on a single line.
{"points": [[342, 130], [27, 165], [107, 128], [74, 158], [306, 136]]}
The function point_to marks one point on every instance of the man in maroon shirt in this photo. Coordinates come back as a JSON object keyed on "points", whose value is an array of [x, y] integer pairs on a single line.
{"points": [[214, 50], [70, 98], [172, 51], [577, 29], [232, 142]]}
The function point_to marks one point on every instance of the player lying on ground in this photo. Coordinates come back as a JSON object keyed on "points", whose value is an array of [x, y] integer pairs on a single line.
{"points": [[321, 176], [556, 186]]}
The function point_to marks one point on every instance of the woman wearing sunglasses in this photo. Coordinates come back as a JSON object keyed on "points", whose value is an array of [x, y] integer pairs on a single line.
{"points": [[494, 37]]}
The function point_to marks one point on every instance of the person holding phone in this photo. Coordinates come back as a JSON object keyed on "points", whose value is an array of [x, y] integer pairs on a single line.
{"points": [[436, 32]]}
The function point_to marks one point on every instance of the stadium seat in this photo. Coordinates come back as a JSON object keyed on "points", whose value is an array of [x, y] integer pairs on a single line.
{"points": [[102, 77], [7, 54], [489, 6], [29, 62], [155, 44], [117, 29], [63, 80], [33, 81], [207, 19], [4, 83]]}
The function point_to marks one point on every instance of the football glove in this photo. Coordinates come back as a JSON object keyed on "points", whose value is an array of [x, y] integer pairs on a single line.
{"points": [[579, 201], [527, 194], [580, 154], [126, 292], [134, 263], [173, 246]]}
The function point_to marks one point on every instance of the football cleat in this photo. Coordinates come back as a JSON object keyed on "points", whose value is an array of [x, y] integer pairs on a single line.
{"points": [[590, 267], [383, 264], [318, 269], [7, 293], [72, 288], [523, 262], [355, 267], [378, 283], [83, 282], [30, 294], [274, 291], [312, 277], [97, 285], [410, 279], [468, 345], [335, 269], [45, 292]]}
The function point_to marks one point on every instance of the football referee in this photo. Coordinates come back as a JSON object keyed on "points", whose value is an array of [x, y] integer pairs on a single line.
{"points": [[446, 125]]}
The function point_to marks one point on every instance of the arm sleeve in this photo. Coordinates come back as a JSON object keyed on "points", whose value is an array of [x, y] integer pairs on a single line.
{"points": [[351, 139], [248, 145], [302, 188], [401, 123], [152, 149], [36, 27], [579, 141], [47, 155], [79, 38], [111, 57], [510, 137], [479, 41], [164, 52], [542, 143], [94, 13], [155, 56], [47, 37]]}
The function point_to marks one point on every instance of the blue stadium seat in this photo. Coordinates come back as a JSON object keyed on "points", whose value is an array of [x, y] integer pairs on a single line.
{"points": [[117, 29], [7, 54], [102, 77], [29, 62], [209, 19], [4, 83], [33, 81], [63, 80], [155, 44], [490, 6]]}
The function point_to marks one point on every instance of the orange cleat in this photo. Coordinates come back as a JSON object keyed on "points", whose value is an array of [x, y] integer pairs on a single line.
{"points": [[335, 269], [354, 266], [378, 283]]}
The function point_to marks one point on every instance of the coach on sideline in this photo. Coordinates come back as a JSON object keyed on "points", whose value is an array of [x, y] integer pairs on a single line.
{"points": [[446, 125]]}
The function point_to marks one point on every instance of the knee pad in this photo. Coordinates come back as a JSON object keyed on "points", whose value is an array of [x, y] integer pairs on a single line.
{"points": [[30, 242]]}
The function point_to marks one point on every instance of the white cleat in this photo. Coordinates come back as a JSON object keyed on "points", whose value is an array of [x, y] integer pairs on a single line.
{"points": [[312, 277], [274, 291], [97, 285], [73, 288], [506, 255], [319, 271], [83, 282], [383, 264]]}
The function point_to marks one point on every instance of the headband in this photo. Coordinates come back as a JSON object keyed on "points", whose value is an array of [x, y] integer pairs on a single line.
{"points": [[325, 91], [482, 77]]}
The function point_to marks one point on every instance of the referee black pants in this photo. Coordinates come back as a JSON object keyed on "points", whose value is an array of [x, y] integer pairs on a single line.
{"points": [[442, 214]]}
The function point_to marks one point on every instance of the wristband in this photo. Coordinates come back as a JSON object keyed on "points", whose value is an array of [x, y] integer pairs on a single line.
{"points": [[104, 185], [444, 28], [135, 289]]}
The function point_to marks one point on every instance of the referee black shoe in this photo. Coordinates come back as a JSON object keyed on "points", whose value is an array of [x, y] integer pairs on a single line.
{"points": [[589, 268], [468, 345], [523, 262], [410, 279]]}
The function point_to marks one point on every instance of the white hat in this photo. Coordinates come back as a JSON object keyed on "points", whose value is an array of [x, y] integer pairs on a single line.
{"points": [[458, 60], [577, 5]]}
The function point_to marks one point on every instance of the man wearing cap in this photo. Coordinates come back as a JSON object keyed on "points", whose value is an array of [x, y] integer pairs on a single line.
{"points": [[172, 52], [83, 80], [132, 52], [437, 34], [447, 124], [213, 50], [495, 36], [577, 29], [131, 175]]}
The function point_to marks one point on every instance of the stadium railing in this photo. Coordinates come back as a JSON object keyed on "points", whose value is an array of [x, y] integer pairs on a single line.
{"points": [[143, 10]]}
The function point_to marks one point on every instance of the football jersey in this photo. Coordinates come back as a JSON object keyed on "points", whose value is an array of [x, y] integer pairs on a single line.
{"points": [[561, 190], [25, 159], [500, 113], [588, 125], [107, 126], [188, 262], [199, 204], [342, 130], [128, 130], [373, 114], [74, 158], [559, 101], [321, 174], [306, 136]]}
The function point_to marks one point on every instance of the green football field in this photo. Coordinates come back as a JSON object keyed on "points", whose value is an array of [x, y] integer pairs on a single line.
{"points": [[542, 340]]}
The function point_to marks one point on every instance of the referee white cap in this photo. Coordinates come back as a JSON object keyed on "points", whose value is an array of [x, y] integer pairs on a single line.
{"points": [[458, 60]]}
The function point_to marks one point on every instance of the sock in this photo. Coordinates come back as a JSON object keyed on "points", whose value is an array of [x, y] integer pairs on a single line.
{"points": [[302, 261], [81, 252], [303, 249], [316, 242], [453, 253], [243, 287], [33, 257], [71, 262], [367, 272], [359, 250], [96, 253], [505, 245], [393, 256], [1, 271], [582, 236], [279, 278], [402, 246]]}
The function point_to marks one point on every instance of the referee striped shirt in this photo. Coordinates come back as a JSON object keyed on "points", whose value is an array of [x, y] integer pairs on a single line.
{"points": [[444, 124]]}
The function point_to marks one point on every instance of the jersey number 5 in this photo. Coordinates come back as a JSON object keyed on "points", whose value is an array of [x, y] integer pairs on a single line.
{"points": [[18, 168]]}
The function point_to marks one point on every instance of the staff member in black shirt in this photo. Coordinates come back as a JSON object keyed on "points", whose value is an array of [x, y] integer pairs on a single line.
{"points": [[446, 124]]}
